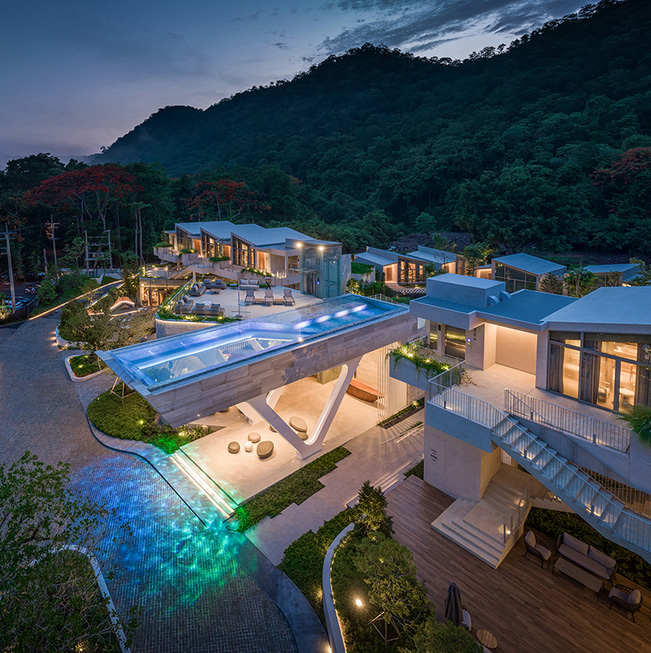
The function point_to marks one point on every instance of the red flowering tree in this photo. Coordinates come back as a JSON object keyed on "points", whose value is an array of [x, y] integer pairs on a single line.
{"points": [[91, 190], [625, 189], [223, 198]]}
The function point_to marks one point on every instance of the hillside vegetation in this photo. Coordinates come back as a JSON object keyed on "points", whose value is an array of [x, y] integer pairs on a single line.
{"points": [[546, 143]]}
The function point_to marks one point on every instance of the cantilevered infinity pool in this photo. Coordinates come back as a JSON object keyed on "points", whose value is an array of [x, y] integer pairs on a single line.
{"points": [[314, 338]]}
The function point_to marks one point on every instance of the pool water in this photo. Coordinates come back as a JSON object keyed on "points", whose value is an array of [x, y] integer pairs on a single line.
{"points": [[160, 362]]}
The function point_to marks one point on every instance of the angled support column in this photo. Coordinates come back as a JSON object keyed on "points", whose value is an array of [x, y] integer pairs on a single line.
{"points": [[253, 415], [314, 442]]}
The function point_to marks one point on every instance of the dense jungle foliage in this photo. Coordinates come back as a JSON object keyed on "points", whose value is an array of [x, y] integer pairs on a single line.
{"points": [[542, 145]]}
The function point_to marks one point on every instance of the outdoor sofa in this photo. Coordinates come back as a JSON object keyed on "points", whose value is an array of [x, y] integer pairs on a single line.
{"points": [[184, 306], [587, 557], [217, 284], [249, 283], [197, 290]]}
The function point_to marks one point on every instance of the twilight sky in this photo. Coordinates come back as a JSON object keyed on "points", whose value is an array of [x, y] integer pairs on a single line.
{"points": [[74, 75]]}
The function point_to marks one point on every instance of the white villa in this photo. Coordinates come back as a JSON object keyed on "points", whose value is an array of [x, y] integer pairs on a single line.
{"points": [[536, 423]]}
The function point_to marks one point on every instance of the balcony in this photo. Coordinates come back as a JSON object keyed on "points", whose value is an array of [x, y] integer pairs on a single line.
{"points": [[166, 254], [415, 364]]}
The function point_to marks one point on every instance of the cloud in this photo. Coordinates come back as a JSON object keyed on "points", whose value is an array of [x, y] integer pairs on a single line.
{"points": [[418, 25], [281, 46]]}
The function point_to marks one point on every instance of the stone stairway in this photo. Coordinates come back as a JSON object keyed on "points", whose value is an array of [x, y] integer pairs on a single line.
{"points": [[594, 503], [479, 526]]}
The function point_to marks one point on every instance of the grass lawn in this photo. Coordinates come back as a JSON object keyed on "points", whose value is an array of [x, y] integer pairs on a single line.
{"points": [[295, 488], [83, 365], [134, 419], [303, 561]]}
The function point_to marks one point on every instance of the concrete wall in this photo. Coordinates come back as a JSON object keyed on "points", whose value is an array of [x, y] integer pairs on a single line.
{"points": [[172, 327], [456, 467], [481, 351], [516, 349], [405, 371], [470, 291], [459, 427], [205, 395]]}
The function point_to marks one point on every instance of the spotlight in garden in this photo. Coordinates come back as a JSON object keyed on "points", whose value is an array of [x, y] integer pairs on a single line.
{"points": [[358, 603]]}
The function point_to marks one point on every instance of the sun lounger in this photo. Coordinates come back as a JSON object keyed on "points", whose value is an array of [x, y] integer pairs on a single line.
{"points": [[250, 296], [268, 297], [288, 298]]}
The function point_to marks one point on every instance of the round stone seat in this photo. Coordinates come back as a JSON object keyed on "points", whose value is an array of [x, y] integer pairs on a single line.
{"points": [[254, 437], [298, 424], [248, 447], [272, 429], [265, 449], [302, 434], [234, 447]]}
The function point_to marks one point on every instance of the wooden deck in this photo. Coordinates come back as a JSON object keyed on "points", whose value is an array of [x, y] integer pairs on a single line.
{"points": [[525, 607]]}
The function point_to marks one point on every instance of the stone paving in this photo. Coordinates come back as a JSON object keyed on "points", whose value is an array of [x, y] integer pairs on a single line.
{"points": [[374, 455], [194, 594]]}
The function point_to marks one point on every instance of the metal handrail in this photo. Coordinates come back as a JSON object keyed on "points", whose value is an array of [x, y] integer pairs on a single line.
{"points": [[593, 429], [476, 410]]}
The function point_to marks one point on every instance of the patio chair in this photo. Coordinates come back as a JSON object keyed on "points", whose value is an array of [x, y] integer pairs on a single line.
{"points": [[626, 597], [268, 297], [250, 296], [288, 298], [536, 549]]}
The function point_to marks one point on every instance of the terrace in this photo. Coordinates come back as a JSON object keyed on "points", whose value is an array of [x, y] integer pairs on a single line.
{"points": [[525, 607]]}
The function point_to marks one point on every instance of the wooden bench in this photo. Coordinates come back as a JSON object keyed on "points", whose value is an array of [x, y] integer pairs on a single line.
{"points": [[362, 391]]}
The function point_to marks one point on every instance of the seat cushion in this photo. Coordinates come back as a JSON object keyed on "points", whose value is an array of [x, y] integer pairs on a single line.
{"points": [[575, 543], [544, 552], [603, 559], [530, 539], [617, 594], [634, 598]]}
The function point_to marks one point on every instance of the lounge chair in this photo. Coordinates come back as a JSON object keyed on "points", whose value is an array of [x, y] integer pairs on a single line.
{"points": [[214, 310], [250, 296], [536, 549], [626, 597], [288, 298], [217, 284], [268, 297], [185, 306]]}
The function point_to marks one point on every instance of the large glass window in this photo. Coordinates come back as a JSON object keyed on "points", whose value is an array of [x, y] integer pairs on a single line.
{"points": [[514, 279], [611, 371]]}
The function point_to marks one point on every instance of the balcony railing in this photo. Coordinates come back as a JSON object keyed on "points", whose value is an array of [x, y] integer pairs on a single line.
{"points": [[591, 429], [476, 410]]}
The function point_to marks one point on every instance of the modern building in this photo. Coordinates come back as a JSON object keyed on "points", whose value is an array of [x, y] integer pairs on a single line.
{"points": [[533, 419], [616, 274], [414, 267], [229, 251], [523, 271], [384, 262]]}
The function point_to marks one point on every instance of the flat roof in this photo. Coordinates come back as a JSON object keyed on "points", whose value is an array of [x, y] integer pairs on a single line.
{"points": [[525, 308], [607, 309], [467, 282], [529, 263]]}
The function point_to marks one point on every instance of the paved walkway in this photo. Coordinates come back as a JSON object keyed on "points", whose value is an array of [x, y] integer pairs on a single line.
{"points": [[195, 594], [374, 455]]}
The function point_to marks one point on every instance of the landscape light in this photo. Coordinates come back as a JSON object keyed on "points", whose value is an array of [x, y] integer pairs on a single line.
{"points": [[358, 603]]}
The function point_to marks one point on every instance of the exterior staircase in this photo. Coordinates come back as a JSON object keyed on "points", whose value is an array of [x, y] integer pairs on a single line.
{"points": [[594, 503], [224, 504], [490, 527]]}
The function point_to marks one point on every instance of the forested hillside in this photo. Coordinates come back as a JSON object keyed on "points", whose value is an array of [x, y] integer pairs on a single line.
{"points": [[542, 144]]}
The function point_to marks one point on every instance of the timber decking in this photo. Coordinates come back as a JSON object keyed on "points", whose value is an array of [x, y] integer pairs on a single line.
{"points": [[525, 607]]}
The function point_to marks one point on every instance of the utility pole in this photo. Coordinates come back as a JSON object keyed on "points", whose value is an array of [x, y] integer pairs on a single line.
{"points": [[53, 226], [45, 259], [11, 270]]}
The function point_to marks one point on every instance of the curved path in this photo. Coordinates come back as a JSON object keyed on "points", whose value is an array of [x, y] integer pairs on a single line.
{"points": [[195, 594]]}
